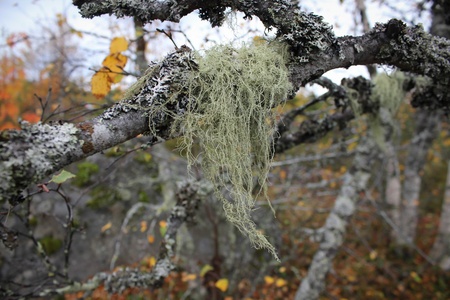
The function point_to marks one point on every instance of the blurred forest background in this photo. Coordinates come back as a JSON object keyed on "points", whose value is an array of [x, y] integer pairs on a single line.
{"points": [[113, 213]]}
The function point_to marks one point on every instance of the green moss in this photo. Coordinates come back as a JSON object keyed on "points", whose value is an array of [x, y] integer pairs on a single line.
{"points": [[85, 171], [33, 221], [143, 197], [102, 197], [234, 92], [50, 244]]}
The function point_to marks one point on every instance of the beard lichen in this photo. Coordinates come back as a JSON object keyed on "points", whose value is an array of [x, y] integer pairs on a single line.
{"points": [[387, 95], [230, 115]]}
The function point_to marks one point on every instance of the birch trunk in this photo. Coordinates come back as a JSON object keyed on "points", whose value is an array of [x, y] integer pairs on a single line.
{"points": [[332, 233], [441, 247], [428, 124]]}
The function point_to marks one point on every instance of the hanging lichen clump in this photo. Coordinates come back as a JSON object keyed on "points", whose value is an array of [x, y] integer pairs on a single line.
{"points": [[234, 91], [387, 96]]}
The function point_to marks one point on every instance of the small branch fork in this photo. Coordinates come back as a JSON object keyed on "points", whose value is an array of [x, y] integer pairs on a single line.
{"points": [[188, 197]]}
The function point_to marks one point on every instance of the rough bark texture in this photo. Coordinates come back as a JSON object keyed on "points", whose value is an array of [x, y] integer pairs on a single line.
{"points": [[314, 50], [331, 235], [30, 155]]}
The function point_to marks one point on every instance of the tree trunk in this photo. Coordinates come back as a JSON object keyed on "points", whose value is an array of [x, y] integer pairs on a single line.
{"points": [[428, 124], [331, 235], [393, 189], [441, 247]]}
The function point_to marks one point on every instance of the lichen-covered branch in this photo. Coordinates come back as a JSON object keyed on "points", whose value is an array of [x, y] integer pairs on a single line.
{"points": [[188, 196], [315, 49], [31, 154], [39, 150]]}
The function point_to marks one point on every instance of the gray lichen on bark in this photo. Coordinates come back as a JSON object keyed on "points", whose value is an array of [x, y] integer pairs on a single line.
{"points": [[32, 153], [161, 93]]}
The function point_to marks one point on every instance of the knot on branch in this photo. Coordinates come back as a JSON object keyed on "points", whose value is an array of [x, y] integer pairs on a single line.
{"points": [[394, 28]]}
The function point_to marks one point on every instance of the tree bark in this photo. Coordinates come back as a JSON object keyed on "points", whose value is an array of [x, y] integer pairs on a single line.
{"points": [[441, 247], [29, 156], [428, 124], [331, 235]]}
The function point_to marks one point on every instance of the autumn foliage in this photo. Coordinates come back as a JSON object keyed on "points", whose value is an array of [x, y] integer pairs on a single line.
{"points": [[112, 70], [16, 94]]}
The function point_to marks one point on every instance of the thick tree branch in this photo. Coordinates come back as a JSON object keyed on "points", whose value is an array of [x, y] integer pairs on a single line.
{"points": [[37, 151], [31, 154]]}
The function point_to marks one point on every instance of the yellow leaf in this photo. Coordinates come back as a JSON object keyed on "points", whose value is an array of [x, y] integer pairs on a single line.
{"points": [[205, 269], [269, 280], [373, 254], [151, 239], [351, 146], [280, 282], [282, 269], [147, 156], [106, 226], [143, 226], [114, 63], [188, 277], [163, 224], [152, 261], [343, 169], [118, 44], [100, 84], [222, 284]]}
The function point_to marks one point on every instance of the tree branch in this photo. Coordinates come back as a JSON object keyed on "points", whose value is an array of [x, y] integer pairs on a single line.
{"points": [[28, 156]]}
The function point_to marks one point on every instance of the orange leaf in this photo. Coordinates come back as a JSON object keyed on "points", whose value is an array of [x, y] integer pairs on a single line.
{"points": [[31, 117], [222, 284], [163, 224], [143, 226], [118, 44], [12, 110], [100, 84], [8, 125], [151, 239], [283, 174], [188, 277], [106, 226]]}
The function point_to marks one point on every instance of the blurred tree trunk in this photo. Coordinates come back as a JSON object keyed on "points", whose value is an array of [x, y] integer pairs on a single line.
{"points": [[428, 124], [393, 189], [441, 247], [141, 44], [331, 235]]}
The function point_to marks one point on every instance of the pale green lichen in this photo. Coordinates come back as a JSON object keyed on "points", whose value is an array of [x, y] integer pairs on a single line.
{"points": [[234, 91], [389, 94]]}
